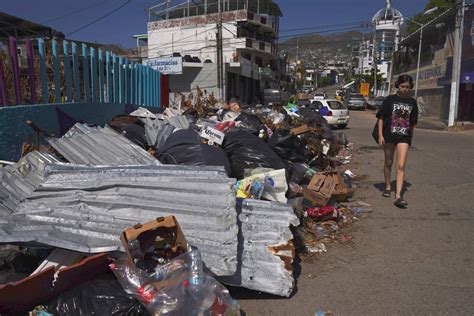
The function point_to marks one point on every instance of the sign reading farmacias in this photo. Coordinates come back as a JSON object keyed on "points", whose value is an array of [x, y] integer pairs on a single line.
{"points": [[167, 65]]}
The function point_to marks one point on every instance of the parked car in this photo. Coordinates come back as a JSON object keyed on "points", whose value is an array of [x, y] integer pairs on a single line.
{"points": [[333, 111], [273, 97], [376, 103], [307, 89], [319, 96], [356, 101]]}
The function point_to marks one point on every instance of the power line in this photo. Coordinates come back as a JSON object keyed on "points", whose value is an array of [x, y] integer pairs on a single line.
{"points": [[326, 31], [100, 18], [324, 26], [75, 12]]}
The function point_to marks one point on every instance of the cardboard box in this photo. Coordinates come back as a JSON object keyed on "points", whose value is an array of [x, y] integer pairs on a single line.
{"points": [[341, 191], [301, 130], [156, 233], [320, 189]]}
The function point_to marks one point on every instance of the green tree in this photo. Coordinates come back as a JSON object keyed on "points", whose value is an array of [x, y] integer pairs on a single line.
{"points": [[422, 18], [369, 77], [324, 82]]}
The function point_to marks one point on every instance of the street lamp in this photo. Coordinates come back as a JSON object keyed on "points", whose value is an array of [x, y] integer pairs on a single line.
{"points": [[419, 55], [432, 10]]}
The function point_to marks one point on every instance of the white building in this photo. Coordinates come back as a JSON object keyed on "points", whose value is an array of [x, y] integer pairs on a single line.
{"points": [[189, 30], [387, 23]]}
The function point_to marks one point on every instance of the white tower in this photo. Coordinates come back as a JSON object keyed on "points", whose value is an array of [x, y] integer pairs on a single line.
{"points": [[387, 23]]}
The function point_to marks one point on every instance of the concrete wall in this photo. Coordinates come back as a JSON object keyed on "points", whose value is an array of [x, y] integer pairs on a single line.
{"points": [[14, 131], [197, 41], [205, 77]]}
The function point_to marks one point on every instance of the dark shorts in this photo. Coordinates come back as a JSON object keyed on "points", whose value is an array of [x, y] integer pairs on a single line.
{"points": [[399, 140], [390, 139]]}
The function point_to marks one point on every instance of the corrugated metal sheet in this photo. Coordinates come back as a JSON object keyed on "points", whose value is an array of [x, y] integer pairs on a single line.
{"points": [[85, 208], [266, 250], [83, 144]]}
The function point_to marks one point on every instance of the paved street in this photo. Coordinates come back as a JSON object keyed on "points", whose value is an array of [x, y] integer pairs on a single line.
{"points": [[415, 261]]}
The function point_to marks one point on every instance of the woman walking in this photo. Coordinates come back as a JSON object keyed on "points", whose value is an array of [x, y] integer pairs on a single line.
{"points": [[397, 118]]}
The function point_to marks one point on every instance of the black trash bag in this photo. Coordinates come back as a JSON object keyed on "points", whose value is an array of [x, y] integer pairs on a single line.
{"points": [[17, 264], [310, 116], [96, 297], [184, 147], [250, 123], [341, 139], [301, 173], [133, 132], [247, 151], [286, 145]]}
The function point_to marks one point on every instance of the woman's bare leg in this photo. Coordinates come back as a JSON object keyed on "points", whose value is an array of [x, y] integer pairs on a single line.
{"points": [[389, 150], [402, 154]]}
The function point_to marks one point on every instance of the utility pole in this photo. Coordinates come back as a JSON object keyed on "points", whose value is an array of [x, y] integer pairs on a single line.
{"points": [[458, 37], [220, 57], [374, 61]]}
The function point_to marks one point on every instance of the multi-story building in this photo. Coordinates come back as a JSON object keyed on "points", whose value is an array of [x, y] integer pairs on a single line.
{"points": [[188, 30]]}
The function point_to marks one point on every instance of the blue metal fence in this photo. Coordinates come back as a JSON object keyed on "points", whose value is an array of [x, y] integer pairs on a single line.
{"points": [[76, 74]]}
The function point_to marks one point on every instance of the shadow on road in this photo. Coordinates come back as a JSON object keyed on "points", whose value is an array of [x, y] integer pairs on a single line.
{"points": [[381, 186]]}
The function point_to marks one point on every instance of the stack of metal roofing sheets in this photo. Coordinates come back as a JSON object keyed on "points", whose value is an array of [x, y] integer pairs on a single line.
{"points": [[83, 144], [266, 250], [85, 208]]}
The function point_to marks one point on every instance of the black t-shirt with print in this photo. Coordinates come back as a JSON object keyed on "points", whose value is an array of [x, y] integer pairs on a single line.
{"points": [[399, 115]]}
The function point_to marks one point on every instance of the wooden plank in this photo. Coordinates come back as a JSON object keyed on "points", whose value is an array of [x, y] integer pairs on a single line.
{"points": [[93, 74], [67, 71], [3, 87], [140, 84], [31, 71], [108, 74], [75, 66], [126, 82], [132, 83], [44, 80], [57, 81], [120, 78], [115, 78], [15, 68], [85, 69], [101, 75]]}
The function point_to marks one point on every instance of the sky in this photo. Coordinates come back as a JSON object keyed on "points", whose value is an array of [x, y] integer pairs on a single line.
{"points": [[120, 26]]}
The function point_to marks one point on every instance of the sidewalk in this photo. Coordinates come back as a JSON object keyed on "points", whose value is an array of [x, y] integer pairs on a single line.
{"points": [[431, 122]]}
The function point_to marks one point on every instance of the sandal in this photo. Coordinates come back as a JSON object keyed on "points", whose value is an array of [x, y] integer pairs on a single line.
{"points": [[400, 203], [386, 193]]}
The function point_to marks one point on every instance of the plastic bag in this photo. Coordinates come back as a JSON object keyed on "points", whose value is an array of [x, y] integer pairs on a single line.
{"points": [[178, 287], [134, 133], [301, 173], [184, 147], [250, 122], [97, 297], [286, 146], [247, 151], [270, 185]]}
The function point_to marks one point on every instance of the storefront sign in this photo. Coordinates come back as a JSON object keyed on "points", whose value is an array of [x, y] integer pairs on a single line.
{"points": [[167, 66], [364, 89]]}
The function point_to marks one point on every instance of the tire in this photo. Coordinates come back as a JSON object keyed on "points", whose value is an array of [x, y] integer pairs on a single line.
{"points": [[342, 126]]}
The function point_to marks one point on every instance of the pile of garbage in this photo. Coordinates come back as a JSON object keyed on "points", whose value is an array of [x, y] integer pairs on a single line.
{"points": [[239, 181]]}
